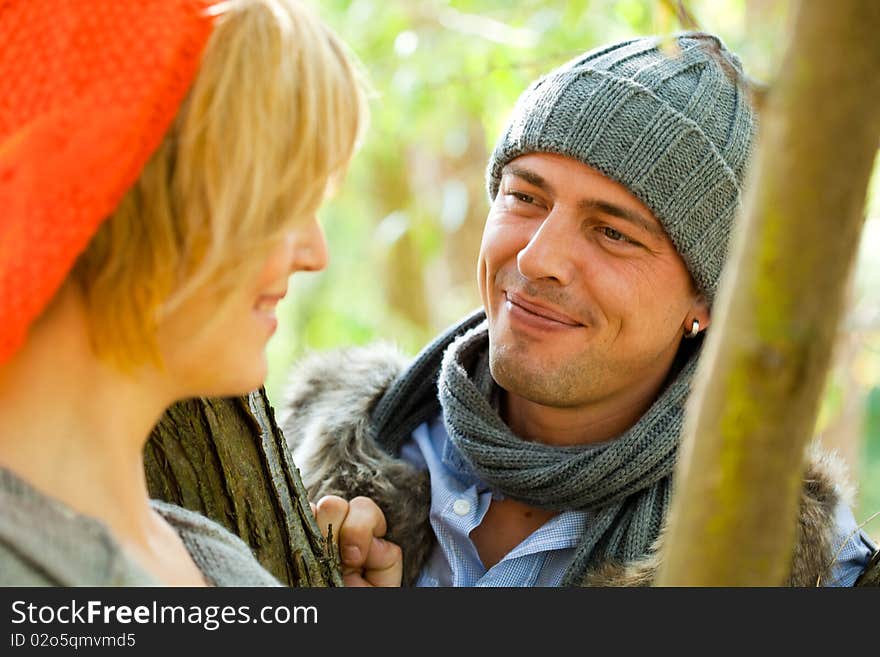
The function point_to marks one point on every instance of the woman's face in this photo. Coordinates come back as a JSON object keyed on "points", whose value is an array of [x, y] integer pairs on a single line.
{"points": [[228, 357]]}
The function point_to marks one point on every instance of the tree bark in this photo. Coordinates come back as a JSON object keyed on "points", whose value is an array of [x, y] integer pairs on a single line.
{"points": [[871, 574], [228, 460], [757, 392]]}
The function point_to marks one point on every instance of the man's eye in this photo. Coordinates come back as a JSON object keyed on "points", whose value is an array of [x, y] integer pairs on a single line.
{"points": [[524, 198], [612, 234], [616, 235]]}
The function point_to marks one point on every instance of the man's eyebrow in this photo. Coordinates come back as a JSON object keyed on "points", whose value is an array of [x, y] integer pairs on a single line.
{"points": [[595, 205], [529, 176], [588, 205]]}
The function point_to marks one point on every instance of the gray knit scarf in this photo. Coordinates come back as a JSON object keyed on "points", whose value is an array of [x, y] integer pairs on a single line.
{"points": [[624, 483]]}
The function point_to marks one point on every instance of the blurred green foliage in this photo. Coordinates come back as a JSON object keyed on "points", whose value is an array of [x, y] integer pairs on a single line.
{"points": [[404, 229], [870, 474]]}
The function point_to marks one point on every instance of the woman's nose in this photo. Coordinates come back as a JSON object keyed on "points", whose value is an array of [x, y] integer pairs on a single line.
{"points": [[310, 248]]}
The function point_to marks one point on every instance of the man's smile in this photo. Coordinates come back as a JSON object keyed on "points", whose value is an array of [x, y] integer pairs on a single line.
{"points": [[536, 314]]}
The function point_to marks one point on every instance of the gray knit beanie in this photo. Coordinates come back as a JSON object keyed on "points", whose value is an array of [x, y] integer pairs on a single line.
{"points": [[676, 128]]}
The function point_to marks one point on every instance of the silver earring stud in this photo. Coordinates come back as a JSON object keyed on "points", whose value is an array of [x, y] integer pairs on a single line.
{"points": [[695, 329]]}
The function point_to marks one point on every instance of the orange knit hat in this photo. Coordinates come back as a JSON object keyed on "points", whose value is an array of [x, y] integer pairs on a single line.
{"points": [[87, 91]]}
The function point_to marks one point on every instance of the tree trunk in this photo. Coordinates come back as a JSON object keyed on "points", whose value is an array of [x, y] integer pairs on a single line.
{"points": [[404, 264], [757, 393], [871, 575], [227, 459]]}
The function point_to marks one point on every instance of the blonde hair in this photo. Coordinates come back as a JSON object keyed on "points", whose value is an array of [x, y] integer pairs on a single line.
{"points": [[274, 115]]}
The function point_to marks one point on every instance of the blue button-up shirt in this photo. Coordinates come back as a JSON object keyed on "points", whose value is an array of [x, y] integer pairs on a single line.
{"points": [[460, 500]]}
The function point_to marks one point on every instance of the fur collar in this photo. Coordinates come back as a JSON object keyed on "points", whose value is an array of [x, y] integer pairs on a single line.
{"points": [[326, 419]]}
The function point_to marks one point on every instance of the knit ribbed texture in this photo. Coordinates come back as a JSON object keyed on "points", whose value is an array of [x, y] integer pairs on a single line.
{"points": [[87, 91], [669, 121], [412, 398], [624, 482], [223, 558]]}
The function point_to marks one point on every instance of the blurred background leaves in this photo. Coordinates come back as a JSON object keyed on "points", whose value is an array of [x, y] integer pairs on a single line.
{"points": [[404, 230]]}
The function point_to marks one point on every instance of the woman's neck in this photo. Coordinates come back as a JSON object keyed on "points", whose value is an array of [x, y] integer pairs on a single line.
{"points": [[74, 427]]}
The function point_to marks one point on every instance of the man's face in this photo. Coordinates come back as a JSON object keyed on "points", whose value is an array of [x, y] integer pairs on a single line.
{"points": [[586, 296]]}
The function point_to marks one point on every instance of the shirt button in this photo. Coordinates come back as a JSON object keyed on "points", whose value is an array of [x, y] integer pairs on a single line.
{"points": [[461, 507]]}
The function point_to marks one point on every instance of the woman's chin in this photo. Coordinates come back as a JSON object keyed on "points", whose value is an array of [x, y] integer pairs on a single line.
{"points": [[241, 382]]}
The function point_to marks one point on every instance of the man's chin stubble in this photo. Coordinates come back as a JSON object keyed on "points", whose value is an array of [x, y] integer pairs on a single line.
{"points": [[538, 385]]}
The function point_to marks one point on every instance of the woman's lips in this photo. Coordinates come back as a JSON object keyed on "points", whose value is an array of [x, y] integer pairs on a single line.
{"points": [[267, 302], [537, 314], [264, 308]]}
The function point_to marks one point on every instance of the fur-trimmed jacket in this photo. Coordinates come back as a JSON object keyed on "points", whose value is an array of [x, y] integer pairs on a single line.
{"points": [[326, 419]]}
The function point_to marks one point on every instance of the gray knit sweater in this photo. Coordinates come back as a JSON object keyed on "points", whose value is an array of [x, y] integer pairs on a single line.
{"points": [[45, 543]]}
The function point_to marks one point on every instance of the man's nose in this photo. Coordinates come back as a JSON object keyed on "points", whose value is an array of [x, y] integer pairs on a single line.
{"points": [[548, 252], [310, 248]]}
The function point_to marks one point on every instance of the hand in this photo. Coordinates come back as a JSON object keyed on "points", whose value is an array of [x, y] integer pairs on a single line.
{"points": [[358, 528]]}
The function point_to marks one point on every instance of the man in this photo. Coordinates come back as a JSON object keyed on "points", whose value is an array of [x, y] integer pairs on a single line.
{"points": [[533, 444]]}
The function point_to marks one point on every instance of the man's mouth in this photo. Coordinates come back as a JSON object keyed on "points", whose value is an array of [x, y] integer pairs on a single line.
{"points": [[540, 310]]}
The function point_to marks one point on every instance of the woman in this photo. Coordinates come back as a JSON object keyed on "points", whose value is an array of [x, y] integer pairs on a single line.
{"points": [[161, 163]]}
